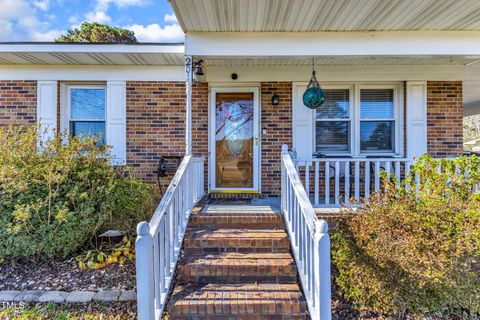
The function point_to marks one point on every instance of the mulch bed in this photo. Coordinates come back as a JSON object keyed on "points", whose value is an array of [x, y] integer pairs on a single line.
{"points": [[64, 276]]}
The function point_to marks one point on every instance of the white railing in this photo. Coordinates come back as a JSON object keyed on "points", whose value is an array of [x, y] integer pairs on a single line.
{"points": [[159, 242], [309, 240], [333, 182]]}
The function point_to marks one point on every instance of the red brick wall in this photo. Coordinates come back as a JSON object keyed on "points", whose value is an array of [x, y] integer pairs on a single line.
{"points": [[18, 100], [445, 118], [155, 118], [278, 122], [156, 124]]}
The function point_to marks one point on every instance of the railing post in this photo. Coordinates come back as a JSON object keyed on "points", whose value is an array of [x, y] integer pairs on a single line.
{"points": [[322, 272], [283, 199], [144, 271]]}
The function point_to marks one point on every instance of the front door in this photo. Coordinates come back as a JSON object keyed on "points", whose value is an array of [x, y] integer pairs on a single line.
{"points": [[234, 143]]}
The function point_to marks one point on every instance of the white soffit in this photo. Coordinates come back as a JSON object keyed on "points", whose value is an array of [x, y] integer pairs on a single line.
{"points": [[91, 54], [326, 15], [338, 61]]}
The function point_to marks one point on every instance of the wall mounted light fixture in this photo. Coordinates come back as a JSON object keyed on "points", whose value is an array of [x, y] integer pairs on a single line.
{"points": [[198, 68], [275, 99], [198, 73]]}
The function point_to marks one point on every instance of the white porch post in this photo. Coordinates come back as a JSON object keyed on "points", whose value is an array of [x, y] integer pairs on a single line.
{"points": [[188, 115]]}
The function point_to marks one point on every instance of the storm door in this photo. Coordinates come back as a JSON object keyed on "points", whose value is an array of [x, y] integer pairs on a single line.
{"points": [[234, 145]]}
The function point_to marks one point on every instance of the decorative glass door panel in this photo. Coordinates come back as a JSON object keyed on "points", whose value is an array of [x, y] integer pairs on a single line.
{"points": [[235, 140]]}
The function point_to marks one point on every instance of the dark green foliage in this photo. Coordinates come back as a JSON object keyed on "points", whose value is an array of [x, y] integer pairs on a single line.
{"points": [[53, 201], [98, 33], [415, 254], [134, 201]]}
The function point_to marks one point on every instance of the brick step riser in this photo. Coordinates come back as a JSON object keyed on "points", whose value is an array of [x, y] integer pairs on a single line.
{"points": [[247, 310], [218, 250], [238, 245], [233, 270], [265, 278], [236, 223]]}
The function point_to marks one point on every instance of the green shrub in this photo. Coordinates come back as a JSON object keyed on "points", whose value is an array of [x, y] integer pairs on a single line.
{"points": [[415, 254], [133, 201], [54, 198]]}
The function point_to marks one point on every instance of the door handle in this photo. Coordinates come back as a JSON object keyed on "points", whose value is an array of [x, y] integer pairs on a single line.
{"points": [[256, 140]]}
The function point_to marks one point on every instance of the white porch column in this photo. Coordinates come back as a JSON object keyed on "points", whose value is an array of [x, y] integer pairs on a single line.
{"points": [[188, 114]]}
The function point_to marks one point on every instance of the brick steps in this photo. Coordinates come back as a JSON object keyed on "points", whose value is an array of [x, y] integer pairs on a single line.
{"points": [[234, 267], [237, 220], [242, 301], [236, 240]]}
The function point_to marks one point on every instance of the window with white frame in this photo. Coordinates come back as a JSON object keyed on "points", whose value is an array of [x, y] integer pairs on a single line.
{"points": [[359, 119], [377, 120], [87, 111], [333, 122]]}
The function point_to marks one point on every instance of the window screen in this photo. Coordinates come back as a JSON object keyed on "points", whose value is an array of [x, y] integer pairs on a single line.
{"points": [[377, 120], [87, 112], [333, 126]]}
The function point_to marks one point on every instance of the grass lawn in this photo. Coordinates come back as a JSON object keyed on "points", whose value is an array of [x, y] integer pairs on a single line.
{"points": [[94, 311]]}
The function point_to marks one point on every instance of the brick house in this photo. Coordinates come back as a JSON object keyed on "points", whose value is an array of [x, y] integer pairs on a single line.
{"points": [[151, 118], [393, 76]]}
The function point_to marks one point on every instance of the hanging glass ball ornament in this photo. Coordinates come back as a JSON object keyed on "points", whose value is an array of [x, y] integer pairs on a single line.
{"points": [[314, 96]]}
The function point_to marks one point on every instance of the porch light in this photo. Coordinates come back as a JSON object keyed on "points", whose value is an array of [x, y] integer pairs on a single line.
{"points": [[314, 96], [275, 99], [198, 73], [198, 68]]}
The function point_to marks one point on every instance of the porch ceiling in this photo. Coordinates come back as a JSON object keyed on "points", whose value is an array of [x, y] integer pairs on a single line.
{"points": [[90, 54], [338, 61], [326, 15]]}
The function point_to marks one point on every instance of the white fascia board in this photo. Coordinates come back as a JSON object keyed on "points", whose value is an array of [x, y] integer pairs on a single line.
{"points": [[245, 74], [89, 48], [338, 73], [92, 73], [386, 43]]}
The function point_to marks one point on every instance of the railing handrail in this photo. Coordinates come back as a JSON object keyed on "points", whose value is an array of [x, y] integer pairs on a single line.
{"points": [[309, 239], [297, 185], [159, 242], [167, 197]]}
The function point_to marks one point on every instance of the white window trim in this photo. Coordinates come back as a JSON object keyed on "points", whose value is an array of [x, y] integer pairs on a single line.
{"points": [[351, 119], [354, 113], [65, 105]]}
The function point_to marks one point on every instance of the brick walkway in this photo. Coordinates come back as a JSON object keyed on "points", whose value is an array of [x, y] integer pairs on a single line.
{"points": [[237, 265]]}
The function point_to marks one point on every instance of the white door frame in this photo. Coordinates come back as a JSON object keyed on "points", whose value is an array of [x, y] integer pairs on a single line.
{"points": [[256, 135]]}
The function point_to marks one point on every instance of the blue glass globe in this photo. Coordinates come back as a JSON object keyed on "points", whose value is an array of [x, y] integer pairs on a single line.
{"points": [[313, 97]]}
